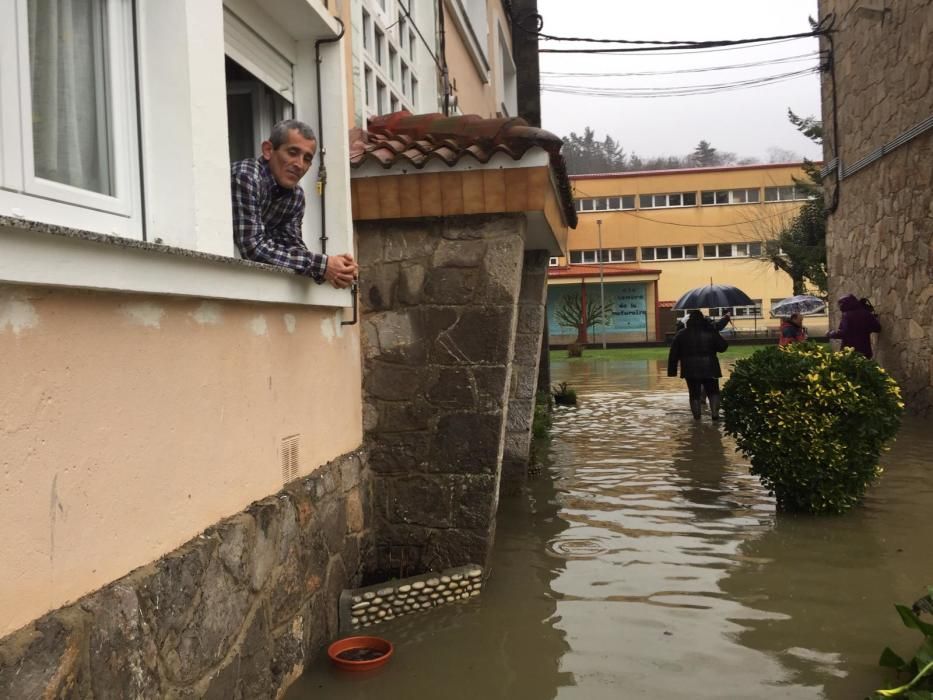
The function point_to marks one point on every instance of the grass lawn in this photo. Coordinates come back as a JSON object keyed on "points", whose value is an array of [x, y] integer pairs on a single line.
{"points": [[734, 352]]}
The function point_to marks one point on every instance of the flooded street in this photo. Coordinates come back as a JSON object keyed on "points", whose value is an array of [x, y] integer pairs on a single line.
{"points": [[644, 561]]}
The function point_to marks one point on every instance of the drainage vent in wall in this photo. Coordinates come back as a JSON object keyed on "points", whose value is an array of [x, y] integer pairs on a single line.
{"points": [[363, 607], [289, 456]]}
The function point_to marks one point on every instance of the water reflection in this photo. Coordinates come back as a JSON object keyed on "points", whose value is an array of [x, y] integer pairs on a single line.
{"points": [[647, 562], [505, 644]]}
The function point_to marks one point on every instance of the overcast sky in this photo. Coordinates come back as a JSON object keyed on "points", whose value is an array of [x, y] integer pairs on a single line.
{"points": [[747, 122]]}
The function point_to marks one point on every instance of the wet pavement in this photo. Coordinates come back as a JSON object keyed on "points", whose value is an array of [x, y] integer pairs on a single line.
{"points": [[644, 561]]}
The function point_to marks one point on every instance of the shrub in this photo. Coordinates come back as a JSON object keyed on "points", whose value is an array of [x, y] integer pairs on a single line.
{"points": [[563, 395], [919, 669], [812, 422]]}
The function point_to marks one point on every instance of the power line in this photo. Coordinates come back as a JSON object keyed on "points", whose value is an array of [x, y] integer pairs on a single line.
{"points": [[675, 91], [734, 66]]}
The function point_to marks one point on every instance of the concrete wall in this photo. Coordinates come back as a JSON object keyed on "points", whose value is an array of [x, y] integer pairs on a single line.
{"points": [[439, 302], [880, 238], [131, 423]]}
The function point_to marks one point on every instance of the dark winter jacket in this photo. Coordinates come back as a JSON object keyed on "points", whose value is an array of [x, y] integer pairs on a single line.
{"points": [[856, 326], [695, 348]]}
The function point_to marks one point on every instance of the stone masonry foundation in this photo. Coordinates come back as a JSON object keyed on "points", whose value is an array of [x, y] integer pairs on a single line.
{"points": [[439, 302], [234, 614]]}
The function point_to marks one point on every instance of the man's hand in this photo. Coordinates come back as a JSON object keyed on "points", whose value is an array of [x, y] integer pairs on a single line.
{"points": [[341, 270]]}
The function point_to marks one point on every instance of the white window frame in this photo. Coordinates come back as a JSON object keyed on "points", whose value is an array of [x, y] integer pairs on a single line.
{"points": [[731, 197], [669, 251], [797, 192], [393, 65], [737, 250], [23, 193], [653, 198], [507, 85], [605, 203], [609, 255]]}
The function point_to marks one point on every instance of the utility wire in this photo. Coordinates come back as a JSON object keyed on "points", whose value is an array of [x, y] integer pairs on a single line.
{"points": [[734, 66], [675, 91]]}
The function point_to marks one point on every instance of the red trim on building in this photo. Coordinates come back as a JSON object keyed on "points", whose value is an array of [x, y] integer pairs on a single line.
{"points": [[593, 271], [686, 171]]}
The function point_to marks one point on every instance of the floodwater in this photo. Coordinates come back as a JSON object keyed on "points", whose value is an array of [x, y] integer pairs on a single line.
{"points": [[644, 562]]}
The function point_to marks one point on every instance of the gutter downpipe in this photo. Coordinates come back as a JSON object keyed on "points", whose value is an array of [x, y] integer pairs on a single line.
{"points": [[322, 168]]}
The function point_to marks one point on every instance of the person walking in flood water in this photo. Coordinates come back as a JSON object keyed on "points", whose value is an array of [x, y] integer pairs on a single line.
{"points": [[792, 330], [857, 324], [695, 349]]}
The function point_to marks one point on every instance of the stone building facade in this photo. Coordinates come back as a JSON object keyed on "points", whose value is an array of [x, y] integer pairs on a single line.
{"points": [[878, 120]]}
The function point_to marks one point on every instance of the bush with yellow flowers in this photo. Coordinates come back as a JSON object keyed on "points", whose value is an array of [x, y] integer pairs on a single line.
{"points": [[812, 422]]}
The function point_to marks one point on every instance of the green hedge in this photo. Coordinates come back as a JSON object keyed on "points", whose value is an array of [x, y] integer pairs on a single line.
{"points": [[812, 422]]}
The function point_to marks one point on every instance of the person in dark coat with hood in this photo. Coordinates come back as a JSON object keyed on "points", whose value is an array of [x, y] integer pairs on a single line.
{"points": [[856, 326], [695, 349]]}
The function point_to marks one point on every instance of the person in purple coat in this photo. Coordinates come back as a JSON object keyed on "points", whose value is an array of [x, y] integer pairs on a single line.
{"points": [[856, 326]]}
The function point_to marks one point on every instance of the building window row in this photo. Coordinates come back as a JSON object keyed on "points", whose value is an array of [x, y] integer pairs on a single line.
{"points": [[689, 199], [732, 250], [663, 253], [390, 49], [672, 252], [737, 311], [607, 255]]}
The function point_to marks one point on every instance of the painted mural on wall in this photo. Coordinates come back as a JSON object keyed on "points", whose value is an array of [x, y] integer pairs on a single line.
{"points": [[626, 304]]}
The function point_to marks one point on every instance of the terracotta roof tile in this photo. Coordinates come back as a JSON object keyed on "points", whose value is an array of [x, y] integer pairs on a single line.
{"points": [[417, 139]]}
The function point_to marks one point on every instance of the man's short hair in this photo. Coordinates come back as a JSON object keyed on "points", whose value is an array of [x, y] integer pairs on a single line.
{"points": [[280, 131]]}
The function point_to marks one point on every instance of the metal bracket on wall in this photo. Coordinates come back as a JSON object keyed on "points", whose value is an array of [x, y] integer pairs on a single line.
{"points": [[355, 291]]}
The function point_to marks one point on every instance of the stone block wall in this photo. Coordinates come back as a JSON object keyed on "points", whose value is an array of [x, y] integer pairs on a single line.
{"points": [[880, 238], [438, 300], [235, 614], [525, 361]]}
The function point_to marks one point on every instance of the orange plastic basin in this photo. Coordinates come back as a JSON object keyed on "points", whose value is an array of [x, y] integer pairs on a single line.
{"points": [[359, 653]]}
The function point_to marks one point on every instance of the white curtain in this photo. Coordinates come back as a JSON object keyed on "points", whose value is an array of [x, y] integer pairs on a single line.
{"points": [[67, 50]]}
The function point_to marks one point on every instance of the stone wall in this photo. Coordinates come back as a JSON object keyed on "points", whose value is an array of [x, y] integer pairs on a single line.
{"points": [[438, 301], [236, 613], [526, 357], [880, 238]]}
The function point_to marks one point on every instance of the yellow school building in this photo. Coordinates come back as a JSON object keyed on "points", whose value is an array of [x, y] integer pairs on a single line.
{"points": [[645, 238]]}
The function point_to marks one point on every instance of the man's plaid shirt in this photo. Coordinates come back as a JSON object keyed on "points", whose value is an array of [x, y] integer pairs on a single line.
{"points": [[267, 220]]}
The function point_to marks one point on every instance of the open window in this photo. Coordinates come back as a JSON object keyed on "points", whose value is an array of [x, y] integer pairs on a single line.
{"points": [[260, 87]]}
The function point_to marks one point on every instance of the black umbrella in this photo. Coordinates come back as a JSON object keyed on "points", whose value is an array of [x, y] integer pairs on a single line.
{"points": [[713, 295]]}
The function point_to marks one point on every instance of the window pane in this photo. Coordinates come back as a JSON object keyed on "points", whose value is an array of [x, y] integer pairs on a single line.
{"points": [[644, 201], [786, 193], [738, 196], [707, 198], [752, 195], [70, 94], [690, 251], [587, 204], [647, 253], [674, 200], [677, 252], [628, 201], [604, 255], [629, 254], [660, 200], [589, 256], [741, 249], [366, 25], [725, 250], [722, 197], [690, 199], [709, 251], [576, 257], [754, 249], [600, 204], [771, 194], [660, 253], [615, 203]]}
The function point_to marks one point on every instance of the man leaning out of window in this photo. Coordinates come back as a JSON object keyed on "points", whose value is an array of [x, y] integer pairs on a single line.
{"points": [[269, 205]]}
